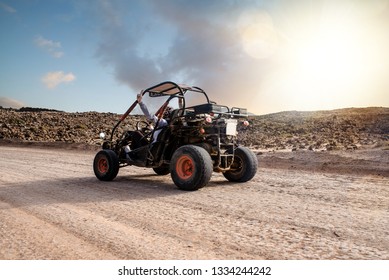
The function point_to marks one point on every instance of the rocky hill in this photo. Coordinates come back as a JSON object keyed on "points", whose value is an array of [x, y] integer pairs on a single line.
{"points": [[330, 130], [320, 130], [43, 125]]}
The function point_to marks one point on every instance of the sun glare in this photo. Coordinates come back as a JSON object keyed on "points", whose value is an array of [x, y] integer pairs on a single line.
{"points": [[331, 60], [259, 37], [329, 67]]}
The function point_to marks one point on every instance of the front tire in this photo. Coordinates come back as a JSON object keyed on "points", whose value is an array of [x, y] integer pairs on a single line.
{"points": [[162, 170], [244, 167], [191, 167], [106, 165]]}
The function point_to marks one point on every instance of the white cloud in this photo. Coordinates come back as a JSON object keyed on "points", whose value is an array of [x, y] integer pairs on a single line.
{"points": [[52, 47], [7, 8], [53, 79], [6, 102]]}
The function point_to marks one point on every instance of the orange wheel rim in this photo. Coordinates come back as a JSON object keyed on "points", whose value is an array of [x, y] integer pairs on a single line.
{"points": [[102, 165], [185, 167]]}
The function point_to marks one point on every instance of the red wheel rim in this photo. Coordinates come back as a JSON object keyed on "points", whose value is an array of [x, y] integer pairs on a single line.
{"points": [[185, 167], [102, 165]]}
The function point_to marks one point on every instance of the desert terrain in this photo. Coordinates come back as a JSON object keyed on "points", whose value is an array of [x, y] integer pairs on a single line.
{"points": [[321, 192]]}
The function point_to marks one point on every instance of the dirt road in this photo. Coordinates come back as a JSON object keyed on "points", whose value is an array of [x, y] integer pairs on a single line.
{"points": [[53, 207]]}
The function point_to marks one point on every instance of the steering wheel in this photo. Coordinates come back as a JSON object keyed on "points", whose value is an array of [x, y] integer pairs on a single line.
{"points": [[143, 127]]}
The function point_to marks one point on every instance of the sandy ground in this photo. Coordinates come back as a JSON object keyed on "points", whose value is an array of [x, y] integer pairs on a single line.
{"points": [[53, 207]]}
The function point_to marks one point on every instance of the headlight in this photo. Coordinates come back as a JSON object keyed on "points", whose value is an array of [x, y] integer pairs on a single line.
{"points": [[102, 135], [208, 119]]}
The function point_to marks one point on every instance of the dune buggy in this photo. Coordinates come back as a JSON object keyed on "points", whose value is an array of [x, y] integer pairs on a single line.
{"points": [[198, 140]]}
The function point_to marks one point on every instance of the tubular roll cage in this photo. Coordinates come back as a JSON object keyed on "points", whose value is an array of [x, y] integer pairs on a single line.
{"points": [[173, 89]]}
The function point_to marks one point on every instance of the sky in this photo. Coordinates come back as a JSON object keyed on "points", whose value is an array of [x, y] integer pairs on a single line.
{"points": [[266, 56]]}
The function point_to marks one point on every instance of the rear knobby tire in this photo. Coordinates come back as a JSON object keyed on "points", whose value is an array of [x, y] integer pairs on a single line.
{"points": [[244, 167], [106, 165], [191, 167]]}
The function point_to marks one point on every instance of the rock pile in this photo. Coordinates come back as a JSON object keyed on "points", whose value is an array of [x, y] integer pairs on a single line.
{"points": [[320, 130]]}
